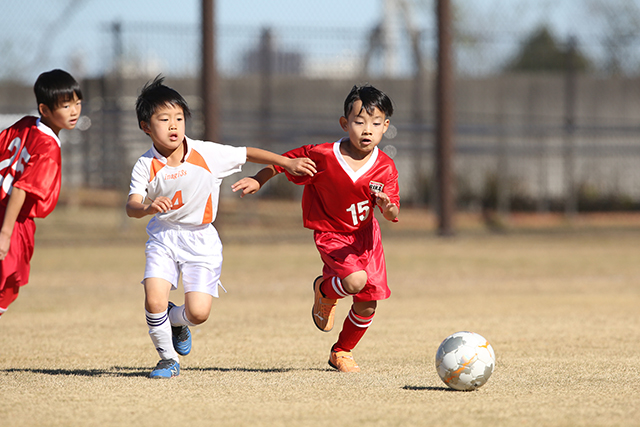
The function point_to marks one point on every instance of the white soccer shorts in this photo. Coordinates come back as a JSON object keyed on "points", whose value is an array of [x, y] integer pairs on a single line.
{"points": [[196, 252]]}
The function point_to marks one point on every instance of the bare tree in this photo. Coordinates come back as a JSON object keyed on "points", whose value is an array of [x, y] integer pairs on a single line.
{"points": [[620, 23]]}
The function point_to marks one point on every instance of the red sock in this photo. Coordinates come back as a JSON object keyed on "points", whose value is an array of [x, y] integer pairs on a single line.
{"points": [[332, 288], [8, 294], [353, 329]]}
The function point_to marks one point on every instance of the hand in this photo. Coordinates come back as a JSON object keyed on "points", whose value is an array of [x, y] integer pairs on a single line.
{"points": [[389, 210], [248, 185], [301, 166], [5, 242], [383, 201], [161, 204]]}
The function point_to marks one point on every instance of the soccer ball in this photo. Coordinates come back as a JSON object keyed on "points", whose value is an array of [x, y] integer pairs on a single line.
{"points": [[465, 361]]}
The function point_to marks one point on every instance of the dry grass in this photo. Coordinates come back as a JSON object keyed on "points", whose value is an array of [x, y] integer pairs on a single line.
{"points": [[559, 307]]}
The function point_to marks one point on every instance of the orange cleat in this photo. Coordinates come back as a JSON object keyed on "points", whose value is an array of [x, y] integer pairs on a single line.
{"points": [[343, 361], [324, 309]]}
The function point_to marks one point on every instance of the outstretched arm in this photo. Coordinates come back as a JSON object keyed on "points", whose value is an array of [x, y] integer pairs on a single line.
{"points": [[251, 184], [16, 200], [296, 167]]}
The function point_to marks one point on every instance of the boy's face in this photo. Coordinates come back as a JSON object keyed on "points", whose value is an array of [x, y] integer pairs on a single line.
{"points": [[365, 130], [64, 116], [166, 129]]}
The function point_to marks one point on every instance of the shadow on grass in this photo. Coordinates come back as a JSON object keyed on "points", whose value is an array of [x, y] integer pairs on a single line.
{"points": [[122, 371], [116, 371], [420, 388]]}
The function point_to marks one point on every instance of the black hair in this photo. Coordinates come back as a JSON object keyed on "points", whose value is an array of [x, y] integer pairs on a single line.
{"points": [[371, 98], [55, 87], [154, 95]]}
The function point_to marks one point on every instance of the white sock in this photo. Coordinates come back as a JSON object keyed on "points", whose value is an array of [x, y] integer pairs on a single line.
{"points": [[160, 333], [178, 316]]}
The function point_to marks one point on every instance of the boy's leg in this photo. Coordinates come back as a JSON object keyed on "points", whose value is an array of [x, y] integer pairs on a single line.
{"points": [[193, 312], [197, 306], [329, 291], [355, 325], [8, 294], [156, 302]]}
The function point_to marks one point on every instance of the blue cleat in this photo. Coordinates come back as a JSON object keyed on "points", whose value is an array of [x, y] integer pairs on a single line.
{"points": [[166, 368], [181, 336]]}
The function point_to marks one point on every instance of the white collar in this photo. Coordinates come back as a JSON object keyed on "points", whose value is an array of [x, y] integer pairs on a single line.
{"points": [[354, 175], [163, 159], [46, 129]]}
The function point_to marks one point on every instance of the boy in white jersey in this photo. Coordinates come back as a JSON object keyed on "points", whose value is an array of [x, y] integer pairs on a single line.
{"points": [[178, 182]]}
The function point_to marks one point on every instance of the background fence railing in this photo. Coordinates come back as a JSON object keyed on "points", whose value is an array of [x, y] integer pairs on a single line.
{"points": [[546, 110]]}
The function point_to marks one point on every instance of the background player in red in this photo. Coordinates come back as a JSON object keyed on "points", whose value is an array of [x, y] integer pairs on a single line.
{"points": [[30, 175], [352, 177]]}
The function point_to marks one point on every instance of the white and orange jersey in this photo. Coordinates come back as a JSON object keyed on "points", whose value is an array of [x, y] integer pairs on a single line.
{"points": [[194, 186]]}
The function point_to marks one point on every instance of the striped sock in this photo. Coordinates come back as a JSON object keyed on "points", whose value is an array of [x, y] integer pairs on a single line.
{"points": [[332, 288], [353, 329], [160, 333]]}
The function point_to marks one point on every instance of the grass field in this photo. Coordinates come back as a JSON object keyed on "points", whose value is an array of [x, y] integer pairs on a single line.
{"points": [[559, 303]]}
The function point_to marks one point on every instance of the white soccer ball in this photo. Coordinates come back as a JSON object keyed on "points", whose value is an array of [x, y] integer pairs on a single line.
{"points": [[465, 361]]}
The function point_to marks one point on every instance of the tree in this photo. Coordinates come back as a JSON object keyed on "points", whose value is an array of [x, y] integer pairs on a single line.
{"points": [[541, 53]]}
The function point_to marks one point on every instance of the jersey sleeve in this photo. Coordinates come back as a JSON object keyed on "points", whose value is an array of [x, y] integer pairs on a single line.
{"points": [[297, 153], [140, 176], [392, 189], [230, 159]]}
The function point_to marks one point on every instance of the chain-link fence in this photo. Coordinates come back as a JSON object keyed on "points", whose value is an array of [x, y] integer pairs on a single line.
{"points": [[547, 95]]}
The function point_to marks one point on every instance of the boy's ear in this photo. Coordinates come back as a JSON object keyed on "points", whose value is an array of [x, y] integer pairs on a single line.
{"points": [[344, 123], [145, 127], [44, 110]]}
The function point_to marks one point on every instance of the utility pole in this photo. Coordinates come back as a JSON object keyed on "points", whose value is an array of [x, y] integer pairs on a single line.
{"points": [[209, 73], [571, 202], [444, 121]]}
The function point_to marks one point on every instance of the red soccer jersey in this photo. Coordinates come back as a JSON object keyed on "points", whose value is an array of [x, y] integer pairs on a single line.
{"points": [[337, 198], [30, 160]]}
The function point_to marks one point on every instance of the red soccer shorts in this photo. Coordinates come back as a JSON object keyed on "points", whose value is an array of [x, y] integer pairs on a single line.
{"points": [[346, 253], [15, 267]]}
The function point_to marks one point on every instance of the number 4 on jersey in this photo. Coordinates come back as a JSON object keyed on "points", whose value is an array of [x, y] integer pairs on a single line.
{"points": [[176, 202]]}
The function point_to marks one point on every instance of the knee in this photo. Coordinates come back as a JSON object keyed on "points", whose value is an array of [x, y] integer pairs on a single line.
{"points": [[155, 304], [365, 309], [197, 317], [355, 282]]}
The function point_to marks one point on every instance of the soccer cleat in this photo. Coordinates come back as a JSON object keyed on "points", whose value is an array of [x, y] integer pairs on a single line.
{"points": [[324, 309], [181, 336], [166, 368], [343, 361]]}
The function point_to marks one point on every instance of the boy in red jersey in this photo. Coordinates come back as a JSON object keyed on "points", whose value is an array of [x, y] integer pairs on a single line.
{"points": [[353, 176], [30, 175]]}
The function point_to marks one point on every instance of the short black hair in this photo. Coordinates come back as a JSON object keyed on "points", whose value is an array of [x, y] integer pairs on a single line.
{"points": [[371, 98], [55, 87], [154, 95]]}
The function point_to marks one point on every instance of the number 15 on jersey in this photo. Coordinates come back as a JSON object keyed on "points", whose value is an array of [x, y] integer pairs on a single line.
{"points": [[359, 211]]}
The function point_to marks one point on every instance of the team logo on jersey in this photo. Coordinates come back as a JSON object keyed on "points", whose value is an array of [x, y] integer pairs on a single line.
{"points": [[376, 187]]}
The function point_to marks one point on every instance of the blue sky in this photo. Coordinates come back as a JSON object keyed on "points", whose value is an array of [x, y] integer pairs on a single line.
{"points": [[41, 34], [54, 28]]}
